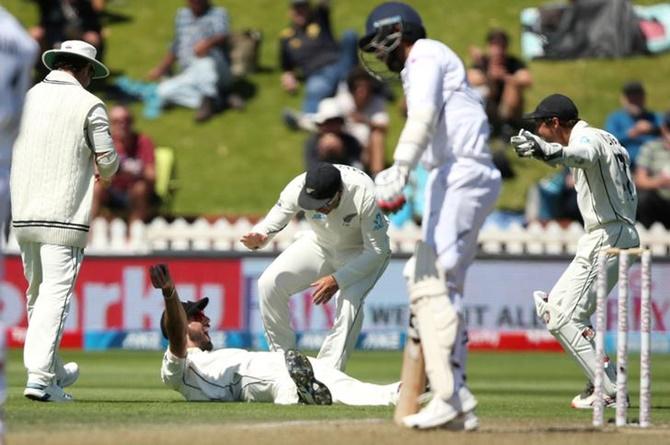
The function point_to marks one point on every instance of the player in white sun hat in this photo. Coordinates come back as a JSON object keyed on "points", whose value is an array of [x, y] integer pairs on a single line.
{"points": [[64, 146]]}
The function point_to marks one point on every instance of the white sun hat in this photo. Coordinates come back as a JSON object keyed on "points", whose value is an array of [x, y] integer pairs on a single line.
{"points": [[329, 108], [76, 48]]}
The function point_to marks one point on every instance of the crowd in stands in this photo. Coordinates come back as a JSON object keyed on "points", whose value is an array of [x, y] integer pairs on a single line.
{"points": [[344, 109]]}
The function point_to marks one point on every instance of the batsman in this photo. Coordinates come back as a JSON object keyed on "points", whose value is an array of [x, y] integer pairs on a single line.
{"points": [[447, 130]]}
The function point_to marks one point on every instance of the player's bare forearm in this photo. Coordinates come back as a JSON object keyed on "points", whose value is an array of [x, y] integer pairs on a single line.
{"points": [[175, 317]]}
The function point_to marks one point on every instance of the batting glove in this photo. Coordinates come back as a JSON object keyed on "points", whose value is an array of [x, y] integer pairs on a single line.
{"points": [[389, 185]]}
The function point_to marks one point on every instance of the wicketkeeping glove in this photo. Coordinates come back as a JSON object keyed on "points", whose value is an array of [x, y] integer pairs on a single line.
{"points": [[527, 144], [389, 185]]}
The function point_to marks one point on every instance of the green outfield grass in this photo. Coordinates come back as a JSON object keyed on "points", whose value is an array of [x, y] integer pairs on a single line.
{"points": [[120, 391], [239, 161]]}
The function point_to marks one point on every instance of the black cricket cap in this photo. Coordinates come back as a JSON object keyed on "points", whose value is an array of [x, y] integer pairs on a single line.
{"points": [[322, 182], [555, 105], [190, 307], [632, 88]]}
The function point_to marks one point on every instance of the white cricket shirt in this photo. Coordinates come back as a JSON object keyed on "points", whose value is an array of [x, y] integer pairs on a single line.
{"points": [[356, 225], [435, 76], [601, 168], [229, 375]]}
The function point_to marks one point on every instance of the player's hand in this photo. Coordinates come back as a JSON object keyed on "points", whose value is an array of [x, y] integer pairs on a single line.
{"points": [[326, 287], [389, 185], [542, 149], [254, 240], [160, 277], [527, 144], [523, 146]]}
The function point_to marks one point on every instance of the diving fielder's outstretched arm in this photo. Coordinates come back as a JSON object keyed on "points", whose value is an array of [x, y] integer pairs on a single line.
{"points": [[175, 317]]}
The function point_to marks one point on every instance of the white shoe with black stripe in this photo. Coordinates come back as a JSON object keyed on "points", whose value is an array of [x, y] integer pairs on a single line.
{"points": [[44, 393]]}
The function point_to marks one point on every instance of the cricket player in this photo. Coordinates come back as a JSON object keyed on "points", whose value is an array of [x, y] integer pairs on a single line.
{"points": [[64, 145], [447, 130], [345, 254], [607, 200], [17, 56], [192, 368]]}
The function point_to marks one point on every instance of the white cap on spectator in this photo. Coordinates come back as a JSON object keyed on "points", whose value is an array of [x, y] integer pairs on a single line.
{"points": [[329, 108]]}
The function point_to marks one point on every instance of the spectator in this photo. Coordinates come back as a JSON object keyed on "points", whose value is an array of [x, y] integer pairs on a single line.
{"points": [[365, 116], [633, 125], [198, 49], [554, 198], [132, 189], [501, 80], [652, 178], [62, 20], [331, 143], [308, 51]]}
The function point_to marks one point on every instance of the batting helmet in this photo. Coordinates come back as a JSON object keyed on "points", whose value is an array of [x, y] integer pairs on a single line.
{"points": [[386, 26]]}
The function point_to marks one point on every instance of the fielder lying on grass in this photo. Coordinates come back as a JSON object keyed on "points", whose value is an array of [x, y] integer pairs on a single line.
{"points": [[192, 368]]}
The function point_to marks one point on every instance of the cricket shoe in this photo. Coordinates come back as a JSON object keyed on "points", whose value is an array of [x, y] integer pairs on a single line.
{"points": [[467, 419], [310, 390], [68, 375], [436, 414], [44, 393], [463, 422], [586, 399]]}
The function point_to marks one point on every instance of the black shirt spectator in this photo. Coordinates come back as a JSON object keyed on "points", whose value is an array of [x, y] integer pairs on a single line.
{"points": [[310, 47], [512, 64]]}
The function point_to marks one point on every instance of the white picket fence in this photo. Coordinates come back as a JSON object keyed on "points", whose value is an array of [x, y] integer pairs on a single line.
{"points": [[116, 238]]}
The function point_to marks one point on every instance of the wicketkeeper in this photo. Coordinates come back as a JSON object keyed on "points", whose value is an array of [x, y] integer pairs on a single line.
{"points": [[607, 200]]}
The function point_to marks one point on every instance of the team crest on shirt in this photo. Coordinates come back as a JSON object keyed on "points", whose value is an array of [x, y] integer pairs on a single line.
{"points": [[318, 216], [379, 222]]}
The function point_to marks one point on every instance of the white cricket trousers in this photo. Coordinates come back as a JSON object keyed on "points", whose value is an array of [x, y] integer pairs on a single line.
{"points": [[575, 293], [51, 272], [270, 367], [459, 196], [293, 271]]}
